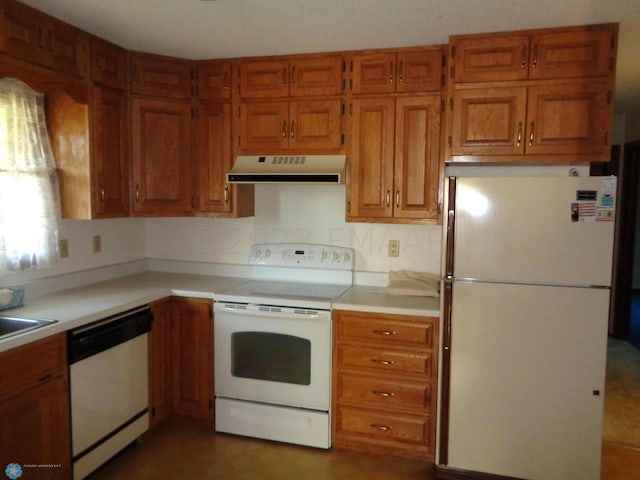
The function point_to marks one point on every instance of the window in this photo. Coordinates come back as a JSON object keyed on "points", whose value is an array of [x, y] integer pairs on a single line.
{"points": [[29, 198]]}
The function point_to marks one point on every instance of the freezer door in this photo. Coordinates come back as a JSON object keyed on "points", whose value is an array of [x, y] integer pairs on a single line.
{"points": [[527, 380], [521, 229]]}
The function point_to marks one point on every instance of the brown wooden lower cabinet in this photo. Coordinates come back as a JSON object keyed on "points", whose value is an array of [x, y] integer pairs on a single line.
{"points": [[385, 383], [181, 359], [34, 409]]}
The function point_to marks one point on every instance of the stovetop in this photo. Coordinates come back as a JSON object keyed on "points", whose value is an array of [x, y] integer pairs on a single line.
{"points": [[295, 275]]}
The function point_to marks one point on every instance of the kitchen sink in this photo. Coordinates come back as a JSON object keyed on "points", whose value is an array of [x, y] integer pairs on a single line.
{"points": [[14, 325]]}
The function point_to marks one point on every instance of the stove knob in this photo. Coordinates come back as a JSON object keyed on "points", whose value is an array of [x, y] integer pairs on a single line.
{"points": [[257, 253], [335, 257], [346, 257], [267, 253], [325, 255]]}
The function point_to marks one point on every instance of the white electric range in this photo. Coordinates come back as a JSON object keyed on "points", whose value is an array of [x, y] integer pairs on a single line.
{"points": [[273, 344]]}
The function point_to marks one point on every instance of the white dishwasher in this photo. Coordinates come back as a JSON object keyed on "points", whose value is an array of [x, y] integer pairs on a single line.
{"points": [[108, 365]]}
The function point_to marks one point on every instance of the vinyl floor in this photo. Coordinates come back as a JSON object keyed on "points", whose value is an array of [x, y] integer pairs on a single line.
{"points": [[184, 448]]}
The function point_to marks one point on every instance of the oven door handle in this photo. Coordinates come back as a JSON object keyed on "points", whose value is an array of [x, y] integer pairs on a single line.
{"points": [[268, 311]]}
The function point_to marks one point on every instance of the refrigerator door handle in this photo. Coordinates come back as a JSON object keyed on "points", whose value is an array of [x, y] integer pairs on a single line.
{"points": [[451, 228], [446, 371]]}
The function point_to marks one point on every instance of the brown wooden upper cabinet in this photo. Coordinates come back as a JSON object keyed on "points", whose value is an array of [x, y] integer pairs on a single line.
{"points": [[576, 52], [302, 124], [213, 80], [159, 76], [404, 71], [108, 64], [32, 36], [296, 77], [562, 119], [394, 162], [161, 157]]}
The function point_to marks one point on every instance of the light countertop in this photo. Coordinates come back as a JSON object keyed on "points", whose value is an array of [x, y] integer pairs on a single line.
{"points": [[373, 299], [79, 306]]}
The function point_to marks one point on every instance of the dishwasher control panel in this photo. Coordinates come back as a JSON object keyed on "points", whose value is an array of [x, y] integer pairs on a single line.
{"points": [[308, 255]]}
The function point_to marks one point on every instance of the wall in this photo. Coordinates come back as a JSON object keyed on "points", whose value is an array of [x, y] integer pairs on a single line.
{"points": [[294, 213], [123, 240]]}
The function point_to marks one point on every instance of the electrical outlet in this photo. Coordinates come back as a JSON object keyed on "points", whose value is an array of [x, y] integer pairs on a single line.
{"points": [[97, 244], [394, 248], [63, 248]]}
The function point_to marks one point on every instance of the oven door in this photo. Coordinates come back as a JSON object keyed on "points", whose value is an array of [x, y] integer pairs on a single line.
{"points": [[274, 355]]}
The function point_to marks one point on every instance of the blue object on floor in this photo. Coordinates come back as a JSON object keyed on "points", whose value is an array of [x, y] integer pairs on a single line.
{"points": [[634, 324]]}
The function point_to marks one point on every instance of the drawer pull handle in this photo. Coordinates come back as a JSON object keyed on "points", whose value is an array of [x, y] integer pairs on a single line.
{"points": [[377, 426], [382, 394], [384, 332], [382, 362]]}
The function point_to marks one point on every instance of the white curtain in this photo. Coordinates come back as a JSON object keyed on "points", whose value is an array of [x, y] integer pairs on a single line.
{"points": [[29, 194]]}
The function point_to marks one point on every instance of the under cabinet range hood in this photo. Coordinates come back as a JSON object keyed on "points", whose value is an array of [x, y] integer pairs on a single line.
{"points": [[322, 169]]}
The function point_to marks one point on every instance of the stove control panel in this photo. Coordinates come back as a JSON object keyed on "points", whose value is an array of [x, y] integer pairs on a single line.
{"points": [[308, 255]]}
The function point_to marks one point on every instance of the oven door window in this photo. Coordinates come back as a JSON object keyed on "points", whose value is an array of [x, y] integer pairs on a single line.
{"points": [[271, 356]]}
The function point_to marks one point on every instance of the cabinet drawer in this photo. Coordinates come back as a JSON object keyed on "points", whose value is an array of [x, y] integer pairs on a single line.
{"points": [[24, 366], [384, 392], [385, 360], [383, 427], [390, 329]]}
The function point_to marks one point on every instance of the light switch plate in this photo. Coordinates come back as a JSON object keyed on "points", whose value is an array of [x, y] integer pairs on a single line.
{"points": [[63, 248], [394, 248], [97, 244]]}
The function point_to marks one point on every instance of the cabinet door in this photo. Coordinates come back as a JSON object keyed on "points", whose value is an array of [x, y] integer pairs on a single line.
{"points": [[264, 127], [489, 121], [419, 71], [417, 162], [213, 151], [34, 429], [214, 80], [192, 357], [580, 52], [108, 64], [315, 124], [110, 153], [24, 33], [66, 51], [491, 58], [264, 79], [316, 76], [568, 119], [371, 163], [161, 157], [160, 391], [159, 76], [373, 73]]}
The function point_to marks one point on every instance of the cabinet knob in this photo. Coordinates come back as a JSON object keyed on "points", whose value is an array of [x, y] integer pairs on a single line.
{"points": [[102, 192], [382, 362], [519, 137], [284, 130], [388, 198], [380, 393], [384, 332], [293, 129], [531, 134], [226, 194], [398, 198], [378, 426]]}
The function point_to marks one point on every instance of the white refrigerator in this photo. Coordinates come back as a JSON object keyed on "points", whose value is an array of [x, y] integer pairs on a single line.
{"points": [[527, 274]]}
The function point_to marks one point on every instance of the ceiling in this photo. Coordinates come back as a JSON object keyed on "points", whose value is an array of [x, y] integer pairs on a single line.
{"points": [[199, 29]]}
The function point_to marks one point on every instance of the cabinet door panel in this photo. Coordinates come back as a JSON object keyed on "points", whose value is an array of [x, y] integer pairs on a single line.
{"points": [[373, 73], [489, 121], [160, 392], [161, 157], [315, 124], [316, 76], [493, 58], [213, 150], [24, 34], [160, 76], [264, 126], [192, 359], [417, 162], [110, 153], [371, 168], [584, 52], [63, 43], [34, 429], [214, 80], [567, 119], [108, 64], [264, 79], [419, 71]]}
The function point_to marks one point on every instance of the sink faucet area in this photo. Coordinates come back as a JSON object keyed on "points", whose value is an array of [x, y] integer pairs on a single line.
{"points": [[14, 325]]}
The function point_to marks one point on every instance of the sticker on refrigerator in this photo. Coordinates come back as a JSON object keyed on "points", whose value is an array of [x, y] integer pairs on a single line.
{"points": [[583, 211], [606, 210]]}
